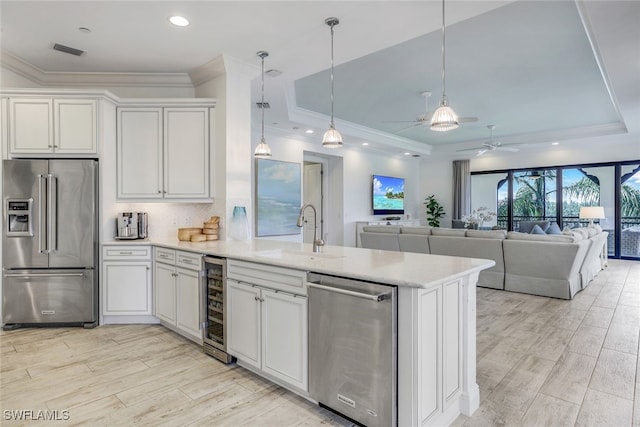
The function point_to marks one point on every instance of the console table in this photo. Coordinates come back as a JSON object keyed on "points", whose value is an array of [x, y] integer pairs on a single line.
{"points": [[397, 223]]}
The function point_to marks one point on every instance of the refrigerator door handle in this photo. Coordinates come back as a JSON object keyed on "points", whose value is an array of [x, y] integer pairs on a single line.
{"points": [[36, 275], [52, 214], [42, 213]]}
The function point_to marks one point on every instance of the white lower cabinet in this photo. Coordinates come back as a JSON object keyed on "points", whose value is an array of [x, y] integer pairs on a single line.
{"points": [[267, 327], [126, 284], [177, 291]]}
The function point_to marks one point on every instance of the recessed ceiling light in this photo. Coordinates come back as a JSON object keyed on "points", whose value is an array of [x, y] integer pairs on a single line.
{"points": [[309, 131], [365, 144], [407, 154], [179, 21], [555, 143], [84, 30]]}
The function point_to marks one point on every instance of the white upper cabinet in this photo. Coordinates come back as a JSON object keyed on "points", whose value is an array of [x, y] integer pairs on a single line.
{"points": [[52, 126], [139, 153], [163, 153]]}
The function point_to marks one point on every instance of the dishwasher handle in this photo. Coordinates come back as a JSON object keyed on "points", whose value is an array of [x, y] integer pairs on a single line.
{"points": [[375, 297]]}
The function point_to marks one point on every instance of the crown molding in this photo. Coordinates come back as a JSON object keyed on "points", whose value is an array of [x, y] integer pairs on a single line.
{"points": [[221, 65], [92, 79]]}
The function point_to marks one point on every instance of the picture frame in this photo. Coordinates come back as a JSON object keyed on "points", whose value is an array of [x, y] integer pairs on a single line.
{"points": [[278, 197]]}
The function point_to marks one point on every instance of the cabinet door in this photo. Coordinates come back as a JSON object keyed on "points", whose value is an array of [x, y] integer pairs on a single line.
{"points": [[188, 302], [139, 152], [284, 337], [127, 288], [165, 292], [243, 322], [75, 126], [30, 126], [186, 160]]}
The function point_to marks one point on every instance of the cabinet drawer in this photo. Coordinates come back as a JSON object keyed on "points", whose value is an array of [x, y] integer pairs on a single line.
{"points": [[284, 279], [126, 253], [190, 260], [166, 255]]}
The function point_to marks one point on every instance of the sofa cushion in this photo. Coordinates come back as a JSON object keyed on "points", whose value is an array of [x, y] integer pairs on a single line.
{"points": [[515, 235], [554, 228], [526, 226], [598, 228], [416, 230], [448, 232], [381, 229], [487, 234], [537, 230], [591, 231], [582, 231]]}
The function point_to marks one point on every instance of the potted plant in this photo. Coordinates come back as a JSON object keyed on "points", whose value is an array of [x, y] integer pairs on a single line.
{"points": [[434, 211]]}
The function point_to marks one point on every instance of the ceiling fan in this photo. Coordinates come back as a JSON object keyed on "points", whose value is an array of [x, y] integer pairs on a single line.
{"points": [[425, 118], [491, 145]]}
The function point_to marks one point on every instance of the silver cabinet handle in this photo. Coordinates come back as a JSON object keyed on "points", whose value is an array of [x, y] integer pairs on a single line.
{"points": [[126, 253], [376, 297]]}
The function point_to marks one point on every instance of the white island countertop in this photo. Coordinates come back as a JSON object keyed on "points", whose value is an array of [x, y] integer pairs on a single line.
{"points": [[392, 268]]}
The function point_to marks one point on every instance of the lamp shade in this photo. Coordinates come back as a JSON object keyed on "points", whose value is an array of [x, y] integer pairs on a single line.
{"points": [[444, 118], [592, 212], [262, 150], [332, 138]]}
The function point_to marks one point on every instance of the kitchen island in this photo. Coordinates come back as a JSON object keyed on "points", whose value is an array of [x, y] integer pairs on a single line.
{"points": [[436, 314]]}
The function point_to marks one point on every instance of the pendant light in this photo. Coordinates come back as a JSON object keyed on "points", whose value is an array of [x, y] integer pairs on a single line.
{"points": [[332, 138], [262, 150], [444, 118]]}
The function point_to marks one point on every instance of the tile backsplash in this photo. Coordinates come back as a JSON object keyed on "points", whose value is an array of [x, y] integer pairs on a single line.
{"points": [[166, 218]]}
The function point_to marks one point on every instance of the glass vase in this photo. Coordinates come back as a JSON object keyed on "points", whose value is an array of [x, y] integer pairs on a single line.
{"points": [[239, 227]]}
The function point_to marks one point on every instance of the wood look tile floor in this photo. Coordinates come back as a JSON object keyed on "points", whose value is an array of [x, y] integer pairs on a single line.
{"points": [[541, 362]]}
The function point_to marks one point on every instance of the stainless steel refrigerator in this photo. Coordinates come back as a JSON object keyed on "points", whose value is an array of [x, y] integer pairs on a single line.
{"points": [[49, 242]]}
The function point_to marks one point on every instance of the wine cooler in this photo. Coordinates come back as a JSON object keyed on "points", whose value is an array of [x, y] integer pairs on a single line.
{"points": [[214, 331]]}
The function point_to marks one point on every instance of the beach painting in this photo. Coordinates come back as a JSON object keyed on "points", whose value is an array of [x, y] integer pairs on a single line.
{"points": [[278, 197]]}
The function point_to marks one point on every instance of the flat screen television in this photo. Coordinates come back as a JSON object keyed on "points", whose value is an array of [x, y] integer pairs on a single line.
{"points": [[387, 195]]}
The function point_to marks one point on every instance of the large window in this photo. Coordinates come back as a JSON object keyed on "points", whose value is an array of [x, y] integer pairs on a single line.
{"points": [[557, 194], [630, 211]]}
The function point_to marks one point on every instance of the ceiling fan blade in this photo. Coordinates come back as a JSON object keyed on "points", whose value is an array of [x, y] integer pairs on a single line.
{"points": [[482, 151], [503, 148], [399, 121], [467, 119], [472, 149], [408, 127]]}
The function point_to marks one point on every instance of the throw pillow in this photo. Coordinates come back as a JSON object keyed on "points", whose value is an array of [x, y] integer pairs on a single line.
{"points": [[554, 228], [537, 230], [527, 226], [598, 228]]}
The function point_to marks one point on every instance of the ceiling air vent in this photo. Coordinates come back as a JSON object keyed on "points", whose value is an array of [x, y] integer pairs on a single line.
{"points": [[66, 49], [263, 105]]}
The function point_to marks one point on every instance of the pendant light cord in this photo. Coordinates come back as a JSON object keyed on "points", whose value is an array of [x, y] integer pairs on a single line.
{"points": [[444, 94], [262, 100], [332, 125]]}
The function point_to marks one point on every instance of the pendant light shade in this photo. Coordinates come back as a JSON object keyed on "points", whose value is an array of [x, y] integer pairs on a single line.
{"points": [[444, 118], [332, 138], [262, 150]]}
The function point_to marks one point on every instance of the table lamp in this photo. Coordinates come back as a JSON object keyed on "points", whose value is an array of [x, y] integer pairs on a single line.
{"points": [[591, 213]]}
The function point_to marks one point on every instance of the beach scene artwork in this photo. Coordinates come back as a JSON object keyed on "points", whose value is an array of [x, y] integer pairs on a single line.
{"points": [[388, 193], [278, 197]]}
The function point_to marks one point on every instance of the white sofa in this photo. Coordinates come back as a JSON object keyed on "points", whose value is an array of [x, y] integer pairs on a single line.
{"points": [[548, 265]]}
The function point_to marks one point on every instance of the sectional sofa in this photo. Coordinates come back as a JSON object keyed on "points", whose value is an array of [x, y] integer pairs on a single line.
{"points": [[558, 265]]}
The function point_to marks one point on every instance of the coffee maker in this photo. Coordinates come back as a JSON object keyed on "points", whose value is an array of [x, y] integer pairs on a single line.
{"points": [[131, 225]]}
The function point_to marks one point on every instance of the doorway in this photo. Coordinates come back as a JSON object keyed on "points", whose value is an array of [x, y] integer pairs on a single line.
{"points": [[323, 187]]}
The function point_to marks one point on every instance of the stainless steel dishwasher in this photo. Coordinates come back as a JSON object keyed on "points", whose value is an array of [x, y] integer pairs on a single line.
{"points": [[353, 348]]}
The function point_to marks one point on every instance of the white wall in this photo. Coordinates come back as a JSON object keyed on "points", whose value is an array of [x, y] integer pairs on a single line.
{"points": [[358, 166]]}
